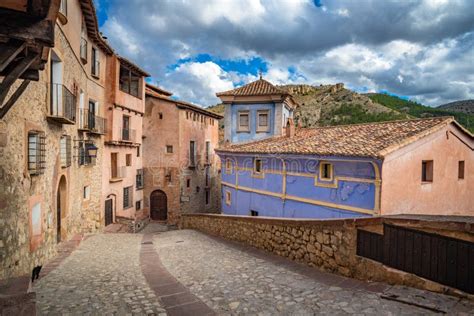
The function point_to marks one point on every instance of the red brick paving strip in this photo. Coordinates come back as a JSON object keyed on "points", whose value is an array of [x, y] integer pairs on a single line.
{"points": [[14, 299], [175, 297]]}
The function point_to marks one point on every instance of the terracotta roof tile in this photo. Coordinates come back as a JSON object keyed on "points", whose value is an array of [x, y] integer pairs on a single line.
{"points": [[181, 104], [259, 87], [357, 140]]}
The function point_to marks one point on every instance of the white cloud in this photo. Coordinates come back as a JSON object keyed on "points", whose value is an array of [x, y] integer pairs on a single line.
{"points": [[422, 49]]}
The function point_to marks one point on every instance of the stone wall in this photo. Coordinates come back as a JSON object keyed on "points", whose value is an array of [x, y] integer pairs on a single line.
{"points": [[326, 244]]}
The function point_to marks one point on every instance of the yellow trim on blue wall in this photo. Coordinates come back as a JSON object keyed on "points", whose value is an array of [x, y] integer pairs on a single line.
{"points": [[300, 199]]}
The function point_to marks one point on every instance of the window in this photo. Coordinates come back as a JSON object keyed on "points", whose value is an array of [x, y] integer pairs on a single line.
{"points": [[138, 151], [228, 166], [253, 213], [113, 166], [140, 179], [86, 192], [208, 196], [130, 81], [138, 205], [262, 121], [325, 171], [188, 183], [95, 64], [208, 179], [127, 197], [36, 152], [461, 170], [244, 122], [227, 197], [257, 165], [198, 189], [160, 115], [128, 160], [208, 152], [126, 127], [427, 171], [65, 151], [192, 153], [83, 148], [169, 149]]}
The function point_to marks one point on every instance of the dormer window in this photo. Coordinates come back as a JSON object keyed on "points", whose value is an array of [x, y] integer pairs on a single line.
{"points": [[244, 121], [262, 121]]}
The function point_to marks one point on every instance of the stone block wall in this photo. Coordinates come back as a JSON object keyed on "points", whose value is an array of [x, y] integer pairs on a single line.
{"points": [[327, 244]]}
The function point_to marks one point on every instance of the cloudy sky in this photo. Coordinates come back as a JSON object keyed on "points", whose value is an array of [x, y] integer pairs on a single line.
{"points": [[422, 50]]}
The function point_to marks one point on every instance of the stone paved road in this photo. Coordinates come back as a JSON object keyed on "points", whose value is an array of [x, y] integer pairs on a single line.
{"points": [[101, 277], [232, 281]]}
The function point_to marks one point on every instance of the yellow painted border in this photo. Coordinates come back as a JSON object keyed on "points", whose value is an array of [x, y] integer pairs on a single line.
{"points": [[300, 199]]}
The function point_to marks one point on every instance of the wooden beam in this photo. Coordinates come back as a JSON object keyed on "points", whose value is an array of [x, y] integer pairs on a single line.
{"points": [[14, 74], [8, 53], [4, 109]]}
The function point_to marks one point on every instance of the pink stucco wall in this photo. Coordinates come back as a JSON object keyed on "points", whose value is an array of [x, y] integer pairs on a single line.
{"points": [[402, 189], [132, 107]]}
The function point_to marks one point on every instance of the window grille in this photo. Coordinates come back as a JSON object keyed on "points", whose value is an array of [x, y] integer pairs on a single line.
{"points": [[36, 152]]}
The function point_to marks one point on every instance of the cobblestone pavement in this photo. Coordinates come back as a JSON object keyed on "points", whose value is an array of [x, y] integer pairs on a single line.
{"points": [[232, 281], [101, 277]]}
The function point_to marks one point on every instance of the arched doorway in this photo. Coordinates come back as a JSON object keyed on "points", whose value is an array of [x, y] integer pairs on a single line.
{"points": [[61, 200], [158, 206]]}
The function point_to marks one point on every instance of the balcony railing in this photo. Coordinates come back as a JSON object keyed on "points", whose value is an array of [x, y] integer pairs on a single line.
{"points": [[83, 50], [118, 173], [90, 122], [63, 104], [128, 135]]}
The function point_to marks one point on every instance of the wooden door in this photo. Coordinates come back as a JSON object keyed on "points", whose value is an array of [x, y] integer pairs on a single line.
{"points": [[58, 217], [158, 206], [109, 213]]}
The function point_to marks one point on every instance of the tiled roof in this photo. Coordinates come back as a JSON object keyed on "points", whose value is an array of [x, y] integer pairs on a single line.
{"points": [[155, 90], [181, 104], [131, 65], [259, 87], [358, 140]]}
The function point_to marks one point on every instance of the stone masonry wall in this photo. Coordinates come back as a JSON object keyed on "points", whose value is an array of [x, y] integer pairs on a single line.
{"points": [[327, 244]]}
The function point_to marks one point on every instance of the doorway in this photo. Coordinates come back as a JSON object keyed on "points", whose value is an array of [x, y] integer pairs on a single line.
{"points": [[158, 206], [61, 197], [109, 212]]}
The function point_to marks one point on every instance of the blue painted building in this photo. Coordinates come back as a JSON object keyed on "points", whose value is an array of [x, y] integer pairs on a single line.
{"points": [[270, 168]]}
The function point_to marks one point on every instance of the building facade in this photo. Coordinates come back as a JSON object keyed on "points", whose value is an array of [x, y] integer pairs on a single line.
{"points": [[52, 149], [122, 182], [421, 166], [181, 169]]}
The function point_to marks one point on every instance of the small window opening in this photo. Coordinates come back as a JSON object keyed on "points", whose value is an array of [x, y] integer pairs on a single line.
{"points": [[427, 171]]}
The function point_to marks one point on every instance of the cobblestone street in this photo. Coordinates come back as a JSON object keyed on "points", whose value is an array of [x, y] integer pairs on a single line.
{"points": [[104, 276]]}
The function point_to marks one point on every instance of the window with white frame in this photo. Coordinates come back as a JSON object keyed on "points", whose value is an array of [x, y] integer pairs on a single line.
{"points": [[228, 197]]}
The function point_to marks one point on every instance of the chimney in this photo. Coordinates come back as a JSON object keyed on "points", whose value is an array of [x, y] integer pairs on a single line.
{"points": [[290, 128]]}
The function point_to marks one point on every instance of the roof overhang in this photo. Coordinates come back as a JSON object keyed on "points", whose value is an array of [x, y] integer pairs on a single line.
{"points": [[127, 63]]}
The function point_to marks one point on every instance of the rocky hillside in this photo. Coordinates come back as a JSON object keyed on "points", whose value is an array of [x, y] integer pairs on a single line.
{"points": [[463, 106], [335, 105], [419, 110]]}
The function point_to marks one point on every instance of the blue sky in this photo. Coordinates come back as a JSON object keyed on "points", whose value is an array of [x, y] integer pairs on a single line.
{"points": [[421, 50]]}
